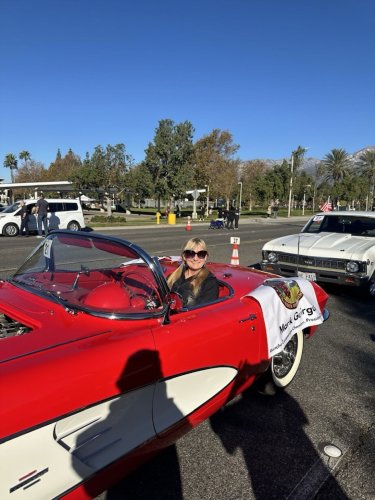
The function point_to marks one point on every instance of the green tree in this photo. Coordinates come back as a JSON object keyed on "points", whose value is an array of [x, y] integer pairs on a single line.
{"points": [[215, 163], [104, 171], [11, 162], [251, 175], [304, 187], [139, 183], [170, 159], [110, 167], [25, 156], [366, 167], [296, 162], [337, 166]]}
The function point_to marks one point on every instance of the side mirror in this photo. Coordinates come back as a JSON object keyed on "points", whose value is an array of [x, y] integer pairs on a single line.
{"points": [[174, 304]]}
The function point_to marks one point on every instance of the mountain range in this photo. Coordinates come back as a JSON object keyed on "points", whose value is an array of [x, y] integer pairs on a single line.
{"points": [[310, 163]]}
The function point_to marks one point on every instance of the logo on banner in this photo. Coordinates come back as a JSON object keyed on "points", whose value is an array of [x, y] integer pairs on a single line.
{"points": [[288, 291]]}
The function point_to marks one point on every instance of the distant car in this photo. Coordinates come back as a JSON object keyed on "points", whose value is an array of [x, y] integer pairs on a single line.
{"points": [[333, 247], [101, 366], [62, 214]]}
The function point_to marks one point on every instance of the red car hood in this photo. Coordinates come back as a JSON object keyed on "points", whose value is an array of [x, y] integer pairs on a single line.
{"points": [[50, 323]]}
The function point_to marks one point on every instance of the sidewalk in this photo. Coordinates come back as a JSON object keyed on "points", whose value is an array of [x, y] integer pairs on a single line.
{"points": [[243, 221]]}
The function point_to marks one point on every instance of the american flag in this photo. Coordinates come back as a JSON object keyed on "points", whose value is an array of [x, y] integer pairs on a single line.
{"points": [[326, 207]]}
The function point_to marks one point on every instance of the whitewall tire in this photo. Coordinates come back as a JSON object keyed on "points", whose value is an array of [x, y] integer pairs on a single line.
{"points": [[285, 364]]}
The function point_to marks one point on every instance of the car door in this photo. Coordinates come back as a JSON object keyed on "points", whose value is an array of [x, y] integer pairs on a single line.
{"points": [[206, 354], [82, 406]]}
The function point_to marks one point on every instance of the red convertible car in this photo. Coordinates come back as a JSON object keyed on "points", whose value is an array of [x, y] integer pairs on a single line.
{"points": [[101, 366]]}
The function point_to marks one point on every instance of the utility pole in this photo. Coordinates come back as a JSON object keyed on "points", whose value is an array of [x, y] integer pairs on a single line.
{"points": [[240, 184], [291, 184]]}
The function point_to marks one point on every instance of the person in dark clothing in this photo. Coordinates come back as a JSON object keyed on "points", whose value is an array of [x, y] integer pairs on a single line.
{"points": [[42, 211], [192, 280], [236, 217], [24, 213], [230, 218], [202, 212]]}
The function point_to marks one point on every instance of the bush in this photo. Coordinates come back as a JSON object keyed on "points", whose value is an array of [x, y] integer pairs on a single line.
{"points": [[111, 219]]}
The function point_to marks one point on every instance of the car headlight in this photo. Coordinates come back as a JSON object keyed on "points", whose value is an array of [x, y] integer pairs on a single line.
{"points": [[352, 266], [272, 257]]}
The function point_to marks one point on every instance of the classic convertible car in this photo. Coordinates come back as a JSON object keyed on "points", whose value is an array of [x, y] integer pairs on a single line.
{"points": [[333, 247], [101, 366]]}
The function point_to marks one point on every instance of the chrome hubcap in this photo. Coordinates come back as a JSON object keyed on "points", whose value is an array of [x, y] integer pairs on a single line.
{"points": [[283, 361]]}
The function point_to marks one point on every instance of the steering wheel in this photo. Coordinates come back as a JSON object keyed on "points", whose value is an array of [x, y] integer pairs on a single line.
{"points": [[141, 288]]}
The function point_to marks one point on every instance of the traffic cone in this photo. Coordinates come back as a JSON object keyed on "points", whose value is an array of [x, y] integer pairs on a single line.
{"points": [[188, 225], [235, 261]]}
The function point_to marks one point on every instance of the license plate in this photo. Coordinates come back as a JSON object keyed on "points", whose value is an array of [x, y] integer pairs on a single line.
{"points": [[307, 276]]}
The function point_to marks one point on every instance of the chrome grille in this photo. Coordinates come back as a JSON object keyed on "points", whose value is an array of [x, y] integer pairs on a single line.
{"points": [[313, 262]]}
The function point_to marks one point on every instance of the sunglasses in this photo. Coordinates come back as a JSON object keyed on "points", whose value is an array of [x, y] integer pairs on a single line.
{"points": [[190, 254]]}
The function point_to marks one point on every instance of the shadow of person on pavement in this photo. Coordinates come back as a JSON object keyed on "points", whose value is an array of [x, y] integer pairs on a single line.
{"points": [[122, 436], [278, 453]]}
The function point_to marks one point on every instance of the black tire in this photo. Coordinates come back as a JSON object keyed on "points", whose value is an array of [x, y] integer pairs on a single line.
{"points": [[74, 226], [10, 230]]}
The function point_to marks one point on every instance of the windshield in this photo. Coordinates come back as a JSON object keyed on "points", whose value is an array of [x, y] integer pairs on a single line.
{"points": [[355, 225], [91, 273], [11, 208]]}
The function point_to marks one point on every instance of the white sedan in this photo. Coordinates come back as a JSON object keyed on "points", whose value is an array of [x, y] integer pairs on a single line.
{"points": [[333, 247]]}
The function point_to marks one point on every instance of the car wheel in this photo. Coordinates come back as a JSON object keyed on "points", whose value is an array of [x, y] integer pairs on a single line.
{"points": [[285, 364], [10, 230], [74, 226]]}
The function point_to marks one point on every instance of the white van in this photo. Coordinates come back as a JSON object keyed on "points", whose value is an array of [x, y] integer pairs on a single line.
{"points": [[62, 214]]}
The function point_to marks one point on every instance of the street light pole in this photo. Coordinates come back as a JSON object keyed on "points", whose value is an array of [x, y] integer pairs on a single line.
{"points": [[291, 183], [303, 203], [304, 198], [208, 199], [240, 184]]}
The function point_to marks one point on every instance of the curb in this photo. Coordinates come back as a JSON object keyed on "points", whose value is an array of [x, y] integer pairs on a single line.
{"points": [[281, 220]]}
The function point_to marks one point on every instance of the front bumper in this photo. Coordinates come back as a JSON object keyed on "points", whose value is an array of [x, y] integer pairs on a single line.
{"points": [[322, 275]]}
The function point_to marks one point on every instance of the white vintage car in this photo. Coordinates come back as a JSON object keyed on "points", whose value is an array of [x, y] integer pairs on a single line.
{"points": [[333, 247]]}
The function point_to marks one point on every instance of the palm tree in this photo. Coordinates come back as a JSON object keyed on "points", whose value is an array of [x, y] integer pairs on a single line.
{"points": [[366, 166], [296, 161], [25, 156], [298, 155], [10, 161], [337, 166]]}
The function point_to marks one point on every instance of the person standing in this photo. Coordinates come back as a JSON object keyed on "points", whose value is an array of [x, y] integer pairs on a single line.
{"points": [[42, 212], [230, 218], [202, 212], [24, 213], [236, 217]]}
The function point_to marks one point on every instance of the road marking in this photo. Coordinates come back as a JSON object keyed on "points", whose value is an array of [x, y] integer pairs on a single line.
{"points": [[316, 476]]}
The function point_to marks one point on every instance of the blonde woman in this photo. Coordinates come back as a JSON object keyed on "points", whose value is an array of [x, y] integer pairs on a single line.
{"points": [[192, 280]]}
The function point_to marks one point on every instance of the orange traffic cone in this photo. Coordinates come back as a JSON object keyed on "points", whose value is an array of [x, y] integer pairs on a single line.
{"points": [[188, 225], [235, 261]]}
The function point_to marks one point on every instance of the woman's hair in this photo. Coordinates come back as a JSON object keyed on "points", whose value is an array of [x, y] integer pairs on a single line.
{"points": [[200, 276]]}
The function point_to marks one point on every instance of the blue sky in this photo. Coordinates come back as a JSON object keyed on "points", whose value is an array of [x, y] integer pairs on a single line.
{"points": [[275, 73]]}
